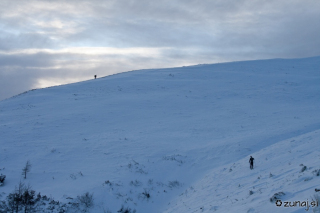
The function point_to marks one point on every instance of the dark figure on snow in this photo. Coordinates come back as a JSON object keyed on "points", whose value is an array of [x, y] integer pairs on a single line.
{"points": [[251, 162], [95, 76]]}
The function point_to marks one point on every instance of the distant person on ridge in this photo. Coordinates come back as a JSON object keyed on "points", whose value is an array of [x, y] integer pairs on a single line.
{"points": [[95, 76], [251, 162]]}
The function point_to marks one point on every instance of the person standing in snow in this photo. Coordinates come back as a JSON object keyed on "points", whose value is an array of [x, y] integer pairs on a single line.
{"points": [[251, 162], [95, 76]]}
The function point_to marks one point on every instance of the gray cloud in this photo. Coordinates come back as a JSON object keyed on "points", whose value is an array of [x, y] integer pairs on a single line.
{"points": [[185, 31]]}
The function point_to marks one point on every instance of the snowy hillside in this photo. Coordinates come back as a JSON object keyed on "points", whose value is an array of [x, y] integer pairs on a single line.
{"points": [[170, 140]]}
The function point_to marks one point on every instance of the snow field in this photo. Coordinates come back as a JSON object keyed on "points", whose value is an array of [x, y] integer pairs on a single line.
{"points": [[166, 133]]}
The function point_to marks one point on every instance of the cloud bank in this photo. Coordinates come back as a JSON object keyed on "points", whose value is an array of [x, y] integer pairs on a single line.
{"points": [[45, 43]]}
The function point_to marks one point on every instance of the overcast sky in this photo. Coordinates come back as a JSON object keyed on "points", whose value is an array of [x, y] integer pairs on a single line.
{"points": [[45, 43]]}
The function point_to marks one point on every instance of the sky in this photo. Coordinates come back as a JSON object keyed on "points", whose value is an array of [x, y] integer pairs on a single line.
{"points": [[46, 43]]}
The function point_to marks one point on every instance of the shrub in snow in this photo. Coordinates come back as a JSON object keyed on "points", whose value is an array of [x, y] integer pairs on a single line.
{"points": [[135, 183], [316, 172], [173, 184], [178, 158], [308, 178], [86, 200], [2, 178], [107, 182], [150, 181], [22, 199], [136, 167], [277, 196], [251, 192], [126, 210], [146, 194], [73, 177], [304, 168], [26, 169]]}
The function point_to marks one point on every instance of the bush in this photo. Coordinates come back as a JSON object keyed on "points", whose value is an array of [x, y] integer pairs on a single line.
{"points": [[2, 178], [316, 172], [86, 200], [126, 210], [23, 198], [135, 183], [277, 196], [173, 184], [26, 169], [304, 168], [146, 194]]}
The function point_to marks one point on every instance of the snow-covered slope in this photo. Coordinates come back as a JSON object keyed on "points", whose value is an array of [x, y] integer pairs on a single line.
{"points": [[279, 169], [180, 135]]}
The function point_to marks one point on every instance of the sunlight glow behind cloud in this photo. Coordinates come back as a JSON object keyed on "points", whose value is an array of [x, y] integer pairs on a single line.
{"points": [[77, 39], [155, 52]]}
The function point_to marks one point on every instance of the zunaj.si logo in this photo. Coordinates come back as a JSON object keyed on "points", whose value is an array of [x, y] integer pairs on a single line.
{"points": [[305, 204], [278, 203]]}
